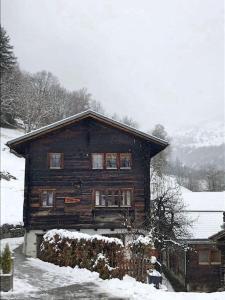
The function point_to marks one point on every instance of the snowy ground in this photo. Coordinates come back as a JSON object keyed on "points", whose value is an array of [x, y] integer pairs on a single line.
{"points": [[11, 191], [35, 279]]}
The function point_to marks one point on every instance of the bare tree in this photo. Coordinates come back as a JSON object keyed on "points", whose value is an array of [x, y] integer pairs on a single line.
{"points": [[167, 218], [34, 103]]}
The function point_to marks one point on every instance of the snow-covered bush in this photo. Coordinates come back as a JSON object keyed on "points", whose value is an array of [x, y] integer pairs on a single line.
{"points": [[96, 253]]}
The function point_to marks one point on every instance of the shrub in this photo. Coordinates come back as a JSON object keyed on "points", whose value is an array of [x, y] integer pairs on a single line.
{"points": [[6, 260], [96, 253]]}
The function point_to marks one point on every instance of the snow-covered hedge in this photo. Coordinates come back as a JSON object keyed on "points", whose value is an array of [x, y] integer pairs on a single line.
{"points": [[96, 253]]}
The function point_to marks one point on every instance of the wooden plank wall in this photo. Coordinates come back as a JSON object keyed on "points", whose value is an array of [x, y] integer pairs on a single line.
{"points": [[77, 142]]}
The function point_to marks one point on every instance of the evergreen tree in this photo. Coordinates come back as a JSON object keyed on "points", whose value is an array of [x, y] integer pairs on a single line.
{"points": [[6, 260], [159, 162], [7, 57]]}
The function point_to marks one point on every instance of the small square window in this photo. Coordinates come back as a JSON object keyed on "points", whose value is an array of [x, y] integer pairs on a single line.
{"points": [[47, 198], [125, 161], [55, 160], [97, 161], [111, 161]]}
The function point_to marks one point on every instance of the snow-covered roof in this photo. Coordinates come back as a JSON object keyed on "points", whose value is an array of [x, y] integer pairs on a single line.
{"points": [[205, 209], [204, 201], [83, 115], [205, 223]]}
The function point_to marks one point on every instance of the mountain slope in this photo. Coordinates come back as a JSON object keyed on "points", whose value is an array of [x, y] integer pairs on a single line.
{"points": [[12, 190]]}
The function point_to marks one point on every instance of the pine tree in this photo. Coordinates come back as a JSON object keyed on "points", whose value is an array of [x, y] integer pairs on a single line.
{"points": [[6, 260], [7, 57], [159, 162]]}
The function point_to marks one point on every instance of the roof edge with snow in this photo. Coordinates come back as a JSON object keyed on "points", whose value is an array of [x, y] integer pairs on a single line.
{"points": [[85, 114]]}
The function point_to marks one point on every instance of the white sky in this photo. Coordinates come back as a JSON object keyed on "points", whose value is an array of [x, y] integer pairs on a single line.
{"points": [[157, 61]]}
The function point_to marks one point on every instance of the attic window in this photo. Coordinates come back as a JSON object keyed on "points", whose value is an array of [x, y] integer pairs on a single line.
{"points": [[111, 160], [125, 161], [97, 160], [55, 160]]}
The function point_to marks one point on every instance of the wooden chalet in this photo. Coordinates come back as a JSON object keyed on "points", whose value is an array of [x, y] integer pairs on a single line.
{"points": [[219, 238], [87, 173], [197, 263]]}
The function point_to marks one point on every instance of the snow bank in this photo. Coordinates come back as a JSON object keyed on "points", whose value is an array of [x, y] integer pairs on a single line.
{"points": [[12, 191], [13, 243], [66, 234]]}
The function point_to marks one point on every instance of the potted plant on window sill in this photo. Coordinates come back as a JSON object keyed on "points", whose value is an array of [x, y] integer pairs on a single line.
{"points": [[6, 270]]}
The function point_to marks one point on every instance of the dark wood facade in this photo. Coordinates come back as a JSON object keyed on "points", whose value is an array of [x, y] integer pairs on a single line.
{"points": [[77, 141], [187, 268]]}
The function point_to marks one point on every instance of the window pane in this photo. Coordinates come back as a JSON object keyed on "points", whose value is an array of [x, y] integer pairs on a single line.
{"points": [[97, 198], [111, 161], [128, 198], [123, 202], [50, 198], [44, 198], [215, 257], [55, 160], [125, 161], [203, 256], [47, 198], [103, 199], [117, 198], [97, 161]]}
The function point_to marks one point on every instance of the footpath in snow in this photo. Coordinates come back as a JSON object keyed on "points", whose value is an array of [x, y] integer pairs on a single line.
{"points": [[35, 279]]}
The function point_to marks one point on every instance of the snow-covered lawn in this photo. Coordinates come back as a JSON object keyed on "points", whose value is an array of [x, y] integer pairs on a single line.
{"points": [[11, 191], [13, 243], [128, 288]]}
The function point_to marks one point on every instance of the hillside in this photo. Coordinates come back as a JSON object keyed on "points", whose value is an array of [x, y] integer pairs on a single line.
{"points": [[12, 190], [200, 146]]}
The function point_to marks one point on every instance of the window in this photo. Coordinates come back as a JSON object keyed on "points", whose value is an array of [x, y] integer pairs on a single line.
{"points": [[125, 161], [55, 160], [126, 198], [97, 161], [47, 198], [113, 197], [215, 257], [203, 257], [209, 257], [111, 161]]}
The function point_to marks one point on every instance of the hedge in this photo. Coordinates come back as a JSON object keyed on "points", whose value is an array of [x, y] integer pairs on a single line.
{"points": [[95, 253]]}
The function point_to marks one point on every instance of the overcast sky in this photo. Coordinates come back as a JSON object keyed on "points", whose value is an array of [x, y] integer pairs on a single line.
{"points": [[156, 61]]}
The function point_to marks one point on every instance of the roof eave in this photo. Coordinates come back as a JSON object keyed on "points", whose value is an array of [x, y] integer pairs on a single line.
{"points": [[11, 144]]}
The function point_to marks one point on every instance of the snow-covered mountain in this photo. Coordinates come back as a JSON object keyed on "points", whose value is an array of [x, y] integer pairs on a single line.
{"points": [[200, 146], [202, 135]]}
